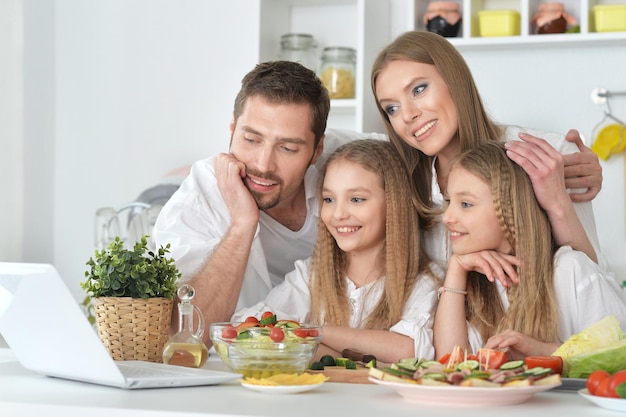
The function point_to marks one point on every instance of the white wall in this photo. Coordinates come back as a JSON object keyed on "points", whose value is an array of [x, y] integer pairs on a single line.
{"points": [[11, 132], [131, 90], [119, 92]]}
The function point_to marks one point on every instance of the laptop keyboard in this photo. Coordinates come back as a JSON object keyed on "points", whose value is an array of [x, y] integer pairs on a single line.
{"points": [[138, 371]]}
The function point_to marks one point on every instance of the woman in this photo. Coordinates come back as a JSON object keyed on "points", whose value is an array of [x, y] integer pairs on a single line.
{"points": [[432, 110]]}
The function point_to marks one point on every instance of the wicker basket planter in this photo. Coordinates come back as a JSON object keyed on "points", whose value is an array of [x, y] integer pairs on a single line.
{"points": [[134, 328]]}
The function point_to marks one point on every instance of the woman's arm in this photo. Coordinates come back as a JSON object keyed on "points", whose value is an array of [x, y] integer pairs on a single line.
{"points": [[545, 167]]}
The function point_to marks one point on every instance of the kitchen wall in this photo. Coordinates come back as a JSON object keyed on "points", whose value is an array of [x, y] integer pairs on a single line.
{"points": [[119, 93]]}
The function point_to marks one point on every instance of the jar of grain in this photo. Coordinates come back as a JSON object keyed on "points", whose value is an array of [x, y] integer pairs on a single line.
{"points": [[337, 71]]}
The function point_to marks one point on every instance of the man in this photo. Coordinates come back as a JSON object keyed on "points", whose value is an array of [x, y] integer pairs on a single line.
{"points": [[241, 219], [236, 209]]}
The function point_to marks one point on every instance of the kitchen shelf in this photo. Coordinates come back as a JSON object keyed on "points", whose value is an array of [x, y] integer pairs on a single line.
{"points": [[469, 37], [369, 25]]}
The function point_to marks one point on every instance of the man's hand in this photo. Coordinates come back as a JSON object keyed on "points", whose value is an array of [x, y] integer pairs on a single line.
{"points": [[241, 205], [582, 170]]}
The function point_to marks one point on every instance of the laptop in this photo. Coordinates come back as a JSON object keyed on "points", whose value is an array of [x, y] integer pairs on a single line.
{"points": [[50, 334]]}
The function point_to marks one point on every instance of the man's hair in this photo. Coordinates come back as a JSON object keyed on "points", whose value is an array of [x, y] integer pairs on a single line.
{"points": [[287, 82]]}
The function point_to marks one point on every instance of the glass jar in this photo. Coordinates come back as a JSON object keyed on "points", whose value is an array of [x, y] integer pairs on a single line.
{"points": [[337, 71], [443, 18], [299, 47]]}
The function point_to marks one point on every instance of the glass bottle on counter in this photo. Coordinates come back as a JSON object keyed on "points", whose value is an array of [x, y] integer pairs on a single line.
{"points": [[186, 347], [337, 71], [299, 47]]}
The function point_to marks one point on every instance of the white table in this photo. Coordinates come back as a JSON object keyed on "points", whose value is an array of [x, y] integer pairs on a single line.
{"points": [[24, 393]]}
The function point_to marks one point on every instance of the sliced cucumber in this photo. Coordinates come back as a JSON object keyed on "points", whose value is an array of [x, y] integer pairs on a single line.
{"points": [[511, 365], [428, 364], [538, 371], [406, 366], [468, 364], [434, 375], [341, 361]]}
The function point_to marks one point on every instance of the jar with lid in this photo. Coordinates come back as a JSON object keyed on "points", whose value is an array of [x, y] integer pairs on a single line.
{"points": [[337, 71], [299, 47]]}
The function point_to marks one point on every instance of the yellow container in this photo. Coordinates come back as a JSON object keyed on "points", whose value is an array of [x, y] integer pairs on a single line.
{"points": [[610, 17], [498, 23]]}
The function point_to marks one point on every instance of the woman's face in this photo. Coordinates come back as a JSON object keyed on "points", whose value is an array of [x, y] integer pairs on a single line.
{"points": [[471, 215], [419, 106]]}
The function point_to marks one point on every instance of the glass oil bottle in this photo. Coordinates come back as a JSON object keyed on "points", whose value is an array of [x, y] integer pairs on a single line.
{"points": [[186, 348]]}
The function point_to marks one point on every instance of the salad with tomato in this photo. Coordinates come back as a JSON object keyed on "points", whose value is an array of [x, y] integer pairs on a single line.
{"points": [[486, 368]]}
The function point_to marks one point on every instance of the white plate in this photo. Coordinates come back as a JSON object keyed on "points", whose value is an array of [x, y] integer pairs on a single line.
{"points": [[281, 389], [615, 404], [463, 396]]}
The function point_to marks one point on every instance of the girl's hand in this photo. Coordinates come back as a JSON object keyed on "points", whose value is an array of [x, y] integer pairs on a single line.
{"points": [[519, 345], [494, 265]]}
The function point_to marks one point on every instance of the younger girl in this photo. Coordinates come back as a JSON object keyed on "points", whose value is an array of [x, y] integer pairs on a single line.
{"points": [[496, 226], [368, 282]]}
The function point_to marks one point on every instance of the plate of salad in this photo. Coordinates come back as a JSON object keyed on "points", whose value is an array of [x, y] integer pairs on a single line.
{"points": [[485, 379]]}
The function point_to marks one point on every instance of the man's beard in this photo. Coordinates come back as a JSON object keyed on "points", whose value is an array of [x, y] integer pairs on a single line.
{"points": [[264, 202]]}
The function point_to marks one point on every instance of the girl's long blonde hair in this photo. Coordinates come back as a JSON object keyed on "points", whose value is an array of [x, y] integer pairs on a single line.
{"points": [[475, 126], [404, 259], [532, 306]]}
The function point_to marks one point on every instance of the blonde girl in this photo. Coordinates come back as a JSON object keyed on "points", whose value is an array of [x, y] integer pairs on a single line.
{"points": [[496, 225], [368, 281]]}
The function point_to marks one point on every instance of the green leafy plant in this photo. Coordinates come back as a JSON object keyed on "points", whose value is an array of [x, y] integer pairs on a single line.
{"points": [[138, 273]]}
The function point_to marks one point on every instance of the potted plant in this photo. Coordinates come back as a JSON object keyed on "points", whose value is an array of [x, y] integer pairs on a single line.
{"points": [[132, 293]]}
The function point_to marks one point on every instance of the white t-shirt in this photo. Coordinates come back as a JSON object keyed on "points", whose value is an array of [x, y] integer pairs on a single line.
{"points": [[291, 300], [584, 292]]}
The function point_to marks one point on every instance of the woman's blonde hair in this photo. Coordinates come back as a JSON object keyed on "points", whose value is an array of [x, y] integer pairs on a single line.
{"points": [[532, 306], [474, 125], [404, 259]]}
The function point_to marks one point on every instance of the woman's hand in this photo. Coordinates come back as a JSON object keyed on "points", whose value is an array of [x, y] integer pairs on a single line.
{"points": [[582, 170], [519, 345], [494, 265]]}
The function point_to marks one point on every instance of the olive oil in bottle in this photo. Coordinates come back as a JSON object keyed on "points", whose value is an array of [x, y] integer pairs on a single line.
{"points": [[186, 348]]}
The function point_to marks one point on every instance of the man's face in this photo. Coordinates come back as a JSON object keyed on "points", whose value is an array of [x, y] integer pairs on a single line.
{"points": [[276, 144]]}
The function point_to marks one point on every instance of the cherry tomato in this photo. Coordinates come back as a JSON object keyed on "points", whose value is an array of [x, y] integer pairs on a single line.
{"points": [[491, 358], [229, 332], [618, 378], [251, 319], [553, 362], [301, 332], [313, 333], [594, 379], [603, 388], [277, 334], [267, 315], [453, 358], [245, 325]]}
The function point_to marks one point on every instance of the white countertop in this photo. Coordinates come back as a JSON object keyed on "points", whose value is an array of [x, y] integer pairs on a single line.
{"points": [[24, 393]]}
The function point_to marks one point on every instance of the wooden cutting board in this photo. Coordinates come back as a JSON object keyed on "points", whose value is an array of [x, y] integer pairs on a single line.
{"points": [[341, 374]]}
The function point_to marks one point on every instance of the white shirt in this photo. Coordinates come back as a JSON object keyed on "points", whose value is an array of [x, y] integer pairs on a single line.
{"points": [[584, 292], [291, 300]]}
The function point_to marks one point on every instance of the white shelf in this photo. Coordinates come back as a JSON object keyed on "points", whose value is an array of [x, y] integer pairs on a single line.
{"points": [[369, 25]]}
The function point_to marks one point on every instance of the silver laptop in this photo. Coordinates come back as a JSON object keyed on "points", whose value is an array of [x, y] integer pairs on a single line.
{"points": [[49, 333]]}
